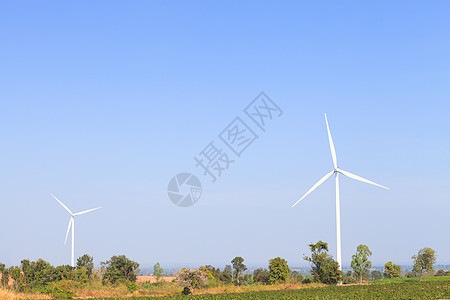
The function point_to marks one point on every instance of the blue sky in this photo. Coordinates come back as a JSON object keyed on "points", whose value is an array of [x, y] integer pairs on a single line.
{"points": [[102, 103]]}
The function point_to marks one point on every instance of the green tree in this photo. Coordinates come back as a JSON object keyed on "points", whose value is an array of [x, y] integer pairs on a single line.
{"points": [[296, 277], [278, 270], [226, 274], [213, 273], [391, 270], [238, 266], [191, 279], [424, 261], [261, 275], [5, 275], [158, 271], [324, 268], [16, 275], [120, 268], [375, 275], [360, 261], [86, 262]]}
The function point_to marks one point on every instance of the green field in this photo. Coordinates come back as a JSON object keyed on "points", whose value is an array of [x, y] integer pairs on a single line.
{"points": [[413, 279], [428, 289]]}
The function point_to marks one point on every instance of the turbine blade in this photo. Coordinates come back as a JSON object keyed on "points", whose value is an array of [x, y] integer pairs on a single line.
{"points": [[68, 229], [62, 204], [315, 186], [333, 150], [86, 211], [356, 177]]}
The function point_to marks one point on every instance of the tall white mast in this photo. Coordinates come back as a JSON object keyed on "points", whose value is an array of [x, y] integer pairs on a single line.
{"points": [[336, 172]]}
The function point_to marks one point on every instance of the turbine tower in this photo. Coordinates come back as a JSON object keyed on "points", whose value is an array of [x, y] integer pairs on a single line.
{"points": [[336, 171], [72, 223]]}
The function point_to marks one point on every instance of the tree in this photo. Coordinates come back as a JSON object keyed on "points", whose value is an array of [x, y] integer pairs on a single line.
{"points": [[278, 270], [86, 262], [226, 274], [16, 275], [120, 268], [296, 276], [191, 279], [375, 275], [5, 275], [424, 261], [441, 272], [158, 271], [324, 268], [360, 261], [391, 270], [261, 275], [238, 267]]}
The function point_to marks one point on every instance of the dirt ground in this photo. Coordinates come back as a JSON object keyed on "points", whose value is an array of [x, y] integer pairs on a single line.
{"points": [[152, 279]]}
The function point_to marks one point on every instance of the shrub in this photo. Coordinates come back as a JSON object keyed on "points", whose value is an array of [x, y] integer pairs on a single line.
{"points": [[132, 286], [120, 268]]}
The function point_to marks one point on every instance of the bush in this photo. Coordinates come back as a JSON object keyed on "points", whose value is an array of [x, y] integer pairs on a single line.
{"points": [[191, 278], [261, 275], [131, 286], [349, 280], [296, 277], [120, 268], [307, 280], [186, 291], [58, 293]]}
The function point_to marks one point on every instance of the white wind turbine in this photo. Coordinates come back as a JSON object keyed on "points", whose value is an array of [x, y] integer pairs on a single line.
{"points": [[336, 172], [72, 223]]}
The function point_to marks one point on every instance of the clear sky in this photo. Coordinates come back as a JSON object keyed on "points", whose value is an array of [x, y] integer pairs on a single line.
{"points": [[103, 102]]}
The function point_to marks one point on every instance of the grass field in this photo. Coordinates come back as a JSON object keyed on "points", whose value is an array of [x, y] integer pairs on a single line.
{"points": [[429, 289], [413, 279], [398, 288]]}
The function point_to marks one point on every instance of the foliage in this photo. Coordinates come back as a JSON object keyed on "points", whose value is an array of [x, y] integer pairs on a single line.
{"points": [[158, 271], [324, 268], [247, 279], [186, 291], [57, 292], [238, 266], [441, 272], [295, 277], [424, 261], [5, 275], [132, 286], [86, 262], [307, 279], [278, 270], [226, 275], [261, 275], [120, 268], [404, 290], [191, 278], [349, 279], [360, 261], [375, 275], [391, 270]]}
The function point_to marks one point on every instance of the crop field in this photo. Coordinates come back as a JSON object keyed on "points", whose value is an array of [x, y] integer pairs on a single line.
{"points": [[437, 289]]}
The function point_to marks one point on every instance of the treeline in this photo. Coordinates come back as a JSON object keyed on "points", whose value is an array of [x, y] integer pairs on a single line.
{"points": [[41, 276], [36, 276]]}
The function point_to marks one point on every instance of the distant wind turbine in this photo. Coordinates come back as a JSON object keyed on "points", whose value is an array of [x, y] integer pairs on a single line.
{"points": [[336, 172], [72, 223]]}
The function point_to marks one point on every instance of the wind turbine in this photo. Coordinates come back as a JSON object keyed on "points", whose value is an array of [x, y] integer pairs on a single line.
{"points": [[336, 171], [72, 223]]}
